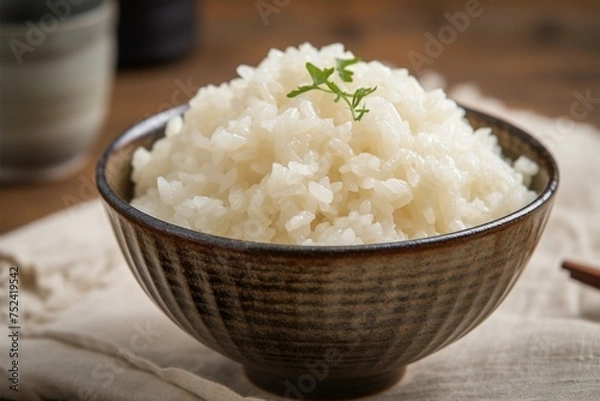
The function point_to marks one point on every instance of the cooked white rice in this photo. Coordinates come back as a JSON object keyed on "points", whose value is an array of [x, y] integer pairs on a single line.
{"points": [[247, 162]]}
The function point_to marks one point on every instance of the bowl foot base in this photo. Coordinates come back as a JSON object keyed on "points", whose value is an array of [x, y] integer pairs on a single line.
{"points": [[312, 385]]}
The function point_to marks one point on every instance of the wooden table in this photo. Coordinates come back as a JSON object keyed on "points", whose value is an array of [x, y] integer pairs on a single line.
{"points": [[537, 55]]}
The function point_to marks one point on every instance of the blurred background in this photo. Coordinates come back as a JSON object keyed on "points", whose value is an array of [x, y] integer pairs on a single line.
{"points": [[541, 56]]}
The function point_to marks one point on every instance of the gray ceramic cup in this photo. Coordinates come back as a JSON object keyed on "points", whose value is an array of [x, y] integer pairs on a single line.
{"points": [[57, 61]]}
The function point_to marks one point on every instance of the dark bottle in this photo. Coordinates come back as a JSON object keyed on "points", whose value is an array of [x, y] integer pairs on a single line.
{"points": [[155, 31]]}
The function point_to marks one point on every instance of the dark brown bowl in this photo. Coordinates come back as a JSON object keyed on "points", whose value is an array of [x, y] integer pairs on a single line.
{"points": [[325, 321]]}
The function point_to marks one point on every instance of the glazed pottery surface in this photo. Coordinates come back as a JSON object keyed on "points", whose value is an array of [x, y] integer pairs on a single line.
{"points": [[323, 321]]}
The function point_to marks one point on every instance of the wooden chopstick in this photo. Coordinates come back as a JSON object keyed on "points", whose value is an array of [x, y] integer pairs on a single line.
{"points": [[584, 273]]}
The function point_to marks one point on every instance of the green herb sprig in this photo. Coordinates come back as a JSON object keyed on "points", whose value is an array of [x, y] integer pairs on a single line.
{"points": [[321, 81]]}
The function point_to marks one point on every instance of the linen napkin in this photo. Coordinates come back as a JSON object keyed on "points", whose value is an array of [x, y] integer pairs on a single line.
{"points": [[88, 332]]}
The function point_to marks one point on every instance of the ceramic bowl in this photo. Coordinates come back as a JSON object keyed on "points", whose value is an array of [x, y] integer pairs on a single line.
{"points": [[325, 321]]}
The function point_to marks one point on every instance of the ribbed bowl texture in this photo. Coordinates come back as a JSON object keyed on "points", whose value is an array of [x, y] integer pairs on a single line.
{"points": [[325, 321]]}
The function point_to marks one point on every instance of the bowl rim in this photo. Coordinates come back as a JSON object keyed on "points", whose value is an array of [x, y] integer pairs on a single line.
{"points": [[150, 124]]}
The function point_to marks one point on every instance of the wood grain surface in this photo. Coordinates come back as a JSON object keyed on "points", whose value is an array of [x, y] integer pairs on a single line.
{"points": [[542, 56]]}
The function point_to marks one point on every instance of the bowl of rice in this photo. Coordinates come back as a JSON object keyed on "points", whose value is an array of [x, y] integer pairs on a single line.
{"points": [[326, 251]]}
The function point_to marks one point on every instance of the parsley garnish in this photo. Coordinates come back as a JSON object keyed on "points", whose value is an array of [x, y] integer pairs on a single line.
{"points": [[321, 81]]}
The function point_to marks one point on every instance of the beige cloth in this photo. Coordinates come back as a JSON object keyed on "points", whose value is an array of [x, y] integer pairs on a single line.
{"points": [[90, 333]]}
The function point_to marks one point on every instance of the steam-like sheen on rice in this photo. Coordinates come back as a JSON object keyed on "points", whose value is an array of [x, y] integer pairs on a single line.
{"points": [[247, 162]]}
